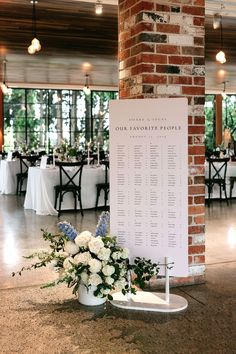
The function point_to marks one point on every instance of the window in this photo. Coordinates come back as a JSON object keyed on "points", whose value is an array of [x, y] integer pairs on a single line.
{"points": [[41, 118]]}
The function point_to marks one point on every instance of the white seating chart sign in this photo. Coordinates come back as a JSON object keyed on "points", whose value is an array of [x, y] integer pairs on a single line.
{"points": [[149, 179]]}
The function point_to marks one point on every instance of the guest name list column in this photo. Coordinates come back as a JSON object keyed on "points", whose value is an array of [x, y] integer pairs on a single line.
{"points": [[149, 179]]}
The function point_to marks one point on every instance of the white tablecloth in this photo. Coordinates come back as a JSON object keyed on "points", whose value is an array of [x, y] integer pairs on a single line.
{"points": [[40, 193], [231, 171], [8, 172]]}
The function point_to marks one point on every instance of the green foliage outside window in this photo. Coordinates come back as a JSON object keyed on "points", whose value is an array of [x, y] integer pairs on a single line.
{"points": [[228, 119], [40, 118]]}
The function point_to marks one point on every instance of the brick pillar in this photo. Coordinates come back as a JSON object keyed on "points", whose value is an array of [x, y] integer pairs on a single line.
{"points": [[161, 54]]}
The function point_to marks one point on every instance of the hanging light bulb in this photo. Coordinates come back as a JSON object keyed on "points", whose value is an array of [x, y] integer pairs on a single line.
{"points": [[35, 43], [6, 90], [31, 49], [98, 7], [220, 57], [86, 88], [216, 21]]}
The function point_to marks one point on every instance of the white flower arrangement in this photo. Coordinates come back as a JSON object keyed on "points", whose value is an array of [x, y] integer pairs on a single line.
{"points": [[92, 260]]}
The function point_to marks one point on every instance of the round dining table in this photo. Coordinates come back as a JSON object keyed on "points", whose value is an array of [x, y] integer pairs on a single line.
{"points": [[40, 193]]}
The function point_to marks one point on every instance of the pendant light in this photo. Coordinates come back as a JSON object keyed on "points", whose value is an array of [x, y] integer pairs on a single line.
{"points": [[86, 88], [4, 87], [35, 45], [220, 56], [98, 7]]}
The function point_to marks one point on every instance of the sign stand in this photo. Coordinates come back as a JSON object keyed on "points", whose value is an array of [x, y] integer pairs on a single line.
{"points": [[151, 301]]}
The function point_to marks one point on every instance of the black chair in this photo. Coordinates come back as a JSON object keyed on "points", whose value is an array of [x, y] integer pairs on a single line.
{"points": [[217, 176], [70, 181], [103, 186], [25, 163], [232, 179]]}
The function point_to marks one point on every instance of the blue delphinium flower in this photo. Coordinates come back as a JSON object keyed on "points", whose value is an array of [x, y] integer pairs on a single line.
{"points": [[67, 229], [103, 224]]}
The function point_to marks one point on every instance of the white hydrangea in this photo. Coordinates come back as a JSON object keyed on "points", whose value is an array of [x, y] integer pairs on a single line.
{"points": [[95, 265], [123, 272], [125, 253], [83, 257], [61, 253], [109, 280], [84, 278], [108, 270], [116, 255], [52, 264], [71, 248], [104, 254], [94, 279], [83, 239], [120, 284], [95, 244], [67, 262], [105, 291]]}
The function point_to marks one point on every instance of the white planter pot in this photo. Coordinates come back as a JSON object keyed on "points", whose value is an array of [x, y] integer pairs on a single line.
{"points": [[87, 298]]}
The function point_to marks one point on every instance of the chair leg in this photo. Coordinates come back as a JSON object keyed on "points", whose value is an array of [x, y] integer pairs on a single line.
{"points": [[80, 204], [224, 187], [98, 195], [231, 188]]}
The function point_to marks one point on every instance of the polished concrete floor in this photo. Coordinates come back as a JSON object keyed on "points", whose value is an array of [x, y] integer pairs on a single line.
{"points": [[207, 326]]}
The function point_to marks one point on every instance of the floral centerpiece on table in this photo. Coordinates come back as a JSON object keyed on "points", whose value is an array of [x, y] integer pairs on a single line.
{"points": [[92, 260], [67, 152]]}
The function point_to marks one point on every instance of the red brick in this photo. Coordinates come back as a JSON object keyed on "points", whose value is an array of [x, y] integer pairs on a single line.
{"points": [[190, 200], [193, 10], [152, 58], [130, 62], [141, 68], [196, 229], [199, 21], [199, 81], [190, 120], [125, 54], [199, 160], [142, 47], [184, 80], [199, 2], [180, 60], [199, 41], [167, 49], [142, 27], [190, 240], [196, 209], [199, 259], [166, 28], [196, 129], [190, 140], [199, 120], [190, 260], [142, 5], [193, 190], [199, 199], [154, 79], [199, 220], [186, 90], [196, 249], [199, 180], [162, 8], [196, 150]]}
